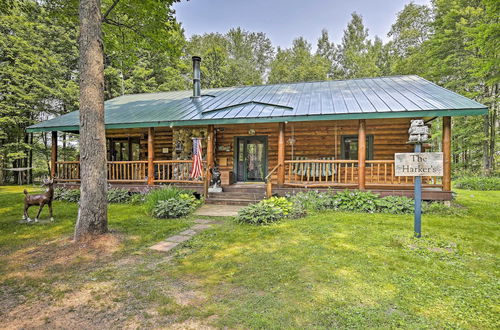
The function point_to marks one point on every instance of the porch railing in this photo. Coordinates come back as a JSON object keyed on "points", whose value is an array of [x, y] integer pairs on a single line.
{"points": [[382, 172], [321, 172], [125, 171], [176, 171], [165, 171], [325, 172]]}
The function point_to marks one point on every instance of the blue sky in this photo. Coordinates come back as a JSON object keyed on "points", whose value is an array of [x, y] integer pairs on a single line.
{"points": [[284, 20]]}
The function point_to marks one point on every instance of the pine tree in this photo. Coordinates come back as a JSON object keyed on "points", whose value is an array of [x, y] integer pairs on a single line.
{"points": [[356, 60], [298, 64]]}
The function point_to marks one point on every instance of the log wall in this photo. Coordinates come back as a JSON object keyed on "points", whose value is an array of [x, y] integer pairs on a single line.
{"points": [[313, 140]]}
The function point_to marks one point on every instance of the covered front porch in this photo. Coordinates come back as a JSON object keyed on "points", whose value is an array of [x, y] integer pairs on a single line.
{"points": [[282, 157]]}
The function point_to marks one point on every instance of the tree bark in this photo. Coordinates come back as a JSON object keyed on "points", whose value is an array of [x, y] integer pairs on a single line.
{"points": [[486, 145], [30, 162], [446, 153], [53, 155], [92, 214]]}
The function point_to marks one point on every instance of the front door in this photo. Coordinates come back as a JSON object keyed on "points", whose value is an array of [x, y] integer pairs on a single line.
{"points": [[251, 158]]}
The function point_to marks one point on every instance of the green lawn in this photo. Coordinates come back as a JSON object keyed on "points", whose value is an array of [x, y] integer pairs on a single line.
{"points": [[327, 270]]}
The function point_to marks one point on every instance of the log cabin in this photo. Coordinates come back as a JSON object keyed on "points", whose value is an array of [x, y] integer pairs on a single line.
{"points": [[271, 139]]}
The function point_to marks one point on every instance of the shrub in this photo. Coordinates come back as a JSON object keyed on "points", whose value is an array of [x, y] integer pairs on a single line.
{"points": [[298, 211], [67, 195], [478, 183], [313, 200], [172, 208], [176, 207], [260, 214], [137, 198], [282, 203], [118, 195], [179, 206], [355, 200], [156, 195], [395, 205]]}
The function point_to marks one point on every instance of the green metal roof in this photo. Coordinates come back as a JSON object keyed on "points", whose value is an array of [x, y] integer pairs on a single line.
{"points": [[384, 97]]}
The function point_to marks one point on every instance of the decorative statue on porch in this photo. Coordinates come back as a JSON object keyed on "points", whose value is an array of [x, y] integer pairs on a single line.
{"points": [[40, 199], [215, 183], [419, 133]]}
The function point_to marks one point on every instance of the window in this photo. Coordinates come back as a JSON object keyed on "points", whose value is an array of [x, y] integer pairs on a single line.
{"points": [[123, 149], [349, 147]]}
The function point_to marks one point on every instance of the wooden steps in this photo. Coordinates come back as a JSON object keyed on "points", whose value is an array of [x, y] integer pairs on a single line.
{"points": [[238, 194]]}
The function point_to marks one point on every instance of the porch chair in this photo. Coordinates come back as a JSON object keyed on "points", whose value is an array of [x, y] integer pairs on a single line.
{"points": [[315, 170]]}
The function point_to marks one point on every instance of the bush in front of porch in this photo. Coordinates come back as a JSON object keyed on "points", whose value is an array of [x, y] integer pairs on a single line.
{"points": [[268, 211], [271, 210], [171, 202], [114, 195]]}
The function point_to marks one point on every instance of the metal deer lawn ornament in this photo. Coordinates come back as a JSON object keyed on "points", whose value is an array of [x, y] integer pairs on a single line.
{"points": [[40, 199]]}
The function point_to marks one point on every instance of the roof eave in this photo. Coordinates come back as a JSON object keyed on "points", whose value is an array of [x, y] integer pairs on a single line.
{"points": [[222, 121]]}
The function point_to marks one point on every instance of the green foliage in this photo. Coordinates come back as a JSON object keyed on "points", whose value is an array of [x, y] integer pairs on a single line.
{"points": [[342, 259], [67, 195], [298, 64], [137, 199], [260, 214], [457, 47], [478, 183], [114, 195], [367, 202], [357, 201], [413, 26], [37, 59], [395, 205], [176, 207], [170, 202], [271, 210], [357, 58], [236, 58], [298, 211], [314, 200], [439, 208], [282, 203], [165, 193], [118, 195]]}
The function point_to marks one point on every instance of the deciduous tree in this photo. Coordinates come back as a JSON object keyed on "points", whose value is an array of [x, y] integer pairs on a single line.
{"points": [[93, 212]]}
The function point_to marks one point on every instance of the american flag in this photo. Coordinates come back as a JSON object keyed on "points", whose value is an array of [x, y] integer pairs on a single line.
{"points": [[197, 167]]}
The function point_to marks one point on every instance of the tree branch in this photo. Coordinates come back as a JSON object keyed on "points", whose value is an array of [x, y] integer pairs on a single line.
{"points": [[132, 28], [109, 10]]}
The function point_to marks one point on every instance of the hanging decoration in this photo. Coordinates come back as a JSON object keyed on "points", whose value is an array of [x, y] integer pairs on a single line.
{"points": [[183, 141]]}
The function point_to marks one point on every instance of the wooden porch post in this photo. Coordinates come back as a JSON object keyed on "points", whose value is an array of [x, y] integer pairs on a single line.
{"points": [[151, 156], [446, 153], [53, 155], [210, 146], [281, 154], [210, 159], [361, 153]]}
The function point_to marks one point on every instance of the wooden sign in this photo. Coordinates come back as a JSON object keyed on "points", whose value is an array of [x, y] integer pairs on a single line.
{"points": [[419, 164]]}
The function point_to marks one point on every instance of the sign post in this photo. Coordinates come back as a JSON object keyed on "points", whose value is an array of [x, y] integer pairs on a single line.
{"points": [[417, 222], [418, 164]]}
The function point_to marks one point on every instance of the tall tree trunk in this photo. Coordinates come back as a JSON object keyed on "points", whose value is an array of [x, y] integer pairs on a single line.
{"points": [[30, 162], [92, 214], [493, 127]]}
